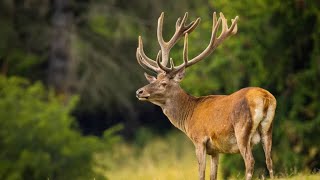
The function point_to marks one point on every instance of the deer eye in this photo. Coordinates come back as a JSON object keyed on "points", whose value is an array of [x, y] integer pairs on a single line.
{"points": [[163, 84]]}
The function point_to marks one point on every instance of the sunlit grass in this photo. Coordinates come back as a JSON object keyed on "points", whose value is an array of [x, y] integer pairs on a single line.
{"points": [[167, 158], [162, 158], [302, 177]]}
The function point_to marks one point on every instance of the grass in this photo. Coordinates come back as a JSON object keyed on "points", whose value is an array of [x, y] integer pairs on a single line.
{"points": [[167, 158], [302, 177], [171, 157]]}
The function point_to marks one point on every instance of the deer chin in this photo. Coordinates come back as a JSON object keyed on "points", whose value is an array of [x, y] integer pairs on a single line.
{"points": [[143, 98]]}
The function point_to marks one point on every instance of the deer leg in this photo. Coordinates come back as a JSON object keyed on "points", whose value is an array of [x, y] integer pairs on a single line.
{"points": [[243, 141], [267, 144], [201, 157], [266, 137], [214, 166], [247, 156]]}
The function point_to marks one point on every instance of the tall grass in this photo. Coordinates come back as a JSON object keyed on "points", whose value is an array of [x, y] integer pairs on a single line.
{"points": [[170, 157], [163, 158]]}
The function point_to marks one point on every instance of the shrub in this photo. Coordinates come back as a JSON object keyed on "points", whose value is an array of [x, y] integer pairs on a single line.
{"points": [[38, 136]]}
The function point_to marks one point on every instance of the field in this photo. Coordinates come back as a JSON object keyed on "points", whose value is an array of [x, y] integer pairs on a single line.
{"points": [[166, 158]]}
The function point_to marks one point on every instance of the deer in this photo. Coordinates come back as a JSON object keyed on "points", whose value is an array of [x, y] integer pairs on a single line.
{"points": [[215, 123]]}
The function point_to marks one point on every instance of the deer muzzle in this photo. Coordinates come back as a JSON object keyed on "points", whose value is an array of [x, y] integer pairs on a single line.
{"points": [[141, 94]]}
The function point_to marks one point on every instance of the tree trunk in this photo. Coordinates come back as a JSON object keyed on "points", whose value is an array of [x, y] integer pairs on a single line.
{"points": [[60, 51]]}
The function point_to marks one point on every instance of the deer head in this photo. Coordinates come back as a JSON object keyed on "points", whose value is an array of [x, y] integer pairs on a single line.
{"points": [[167, 81]]}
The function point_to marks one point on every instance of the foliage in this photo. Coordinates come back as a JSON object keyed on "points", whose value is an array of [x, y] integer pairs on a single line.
{"points": [[39, 138]]}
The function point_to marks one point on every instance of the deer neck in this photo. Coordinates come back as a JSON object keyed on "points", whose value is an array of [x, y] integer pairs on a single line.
{"points": [[178, 108]]}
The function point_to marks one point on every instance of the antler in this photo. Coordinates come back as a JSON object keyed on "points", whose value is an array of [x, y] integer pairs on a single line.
{"points": [[214, 41], [144, 60], [181, 29]]}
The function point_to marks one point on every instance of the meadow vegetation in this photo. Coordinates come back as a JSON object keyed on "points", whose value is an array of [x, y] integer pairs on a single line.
{"points": [[172, 157]]}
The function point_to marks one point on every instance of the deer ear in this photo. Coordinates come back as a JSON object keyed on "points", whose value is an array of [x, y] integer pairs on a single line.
{"points": [[179, 75], [150, 78]]}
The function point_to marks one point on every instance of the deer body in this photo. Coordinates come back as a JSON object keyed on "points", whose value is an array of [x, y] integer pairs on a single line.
{"points": [[215, 123], [216, 116]]}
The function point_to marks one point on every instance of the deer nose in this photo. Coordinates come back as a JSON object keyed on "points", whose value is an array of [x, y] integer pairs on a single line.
{"points": [[139, 91]]}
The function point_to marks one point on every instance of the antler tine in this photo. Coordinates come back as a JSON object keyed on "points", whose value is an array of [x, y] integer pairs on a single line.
{"points": [[214, 41], [185, 49], [142, 63], [162, 67], [185, 57], [171, 64], [181, 29], [178, 23], [174, 69], [163, 45], [234, 25], [183, 21], [225, 30], [192, 26], [143, 55], [215, 25], [159, 29], [158, 56], [139, 59], [145, 61]]}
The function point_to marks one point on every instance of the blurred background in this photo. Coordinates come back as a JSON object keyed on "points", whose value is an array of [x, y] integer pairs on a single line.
{"points": [[68, 77]]}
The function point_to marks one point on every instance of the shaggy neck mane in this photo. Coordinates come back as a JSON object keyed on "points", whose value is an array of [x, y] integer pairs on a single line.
{"points": [[179, 107]]}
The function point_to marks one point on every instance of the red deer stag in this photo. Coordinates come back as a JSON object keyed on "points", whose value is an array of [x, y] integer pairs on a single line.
{"points": [[215, 123]]}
